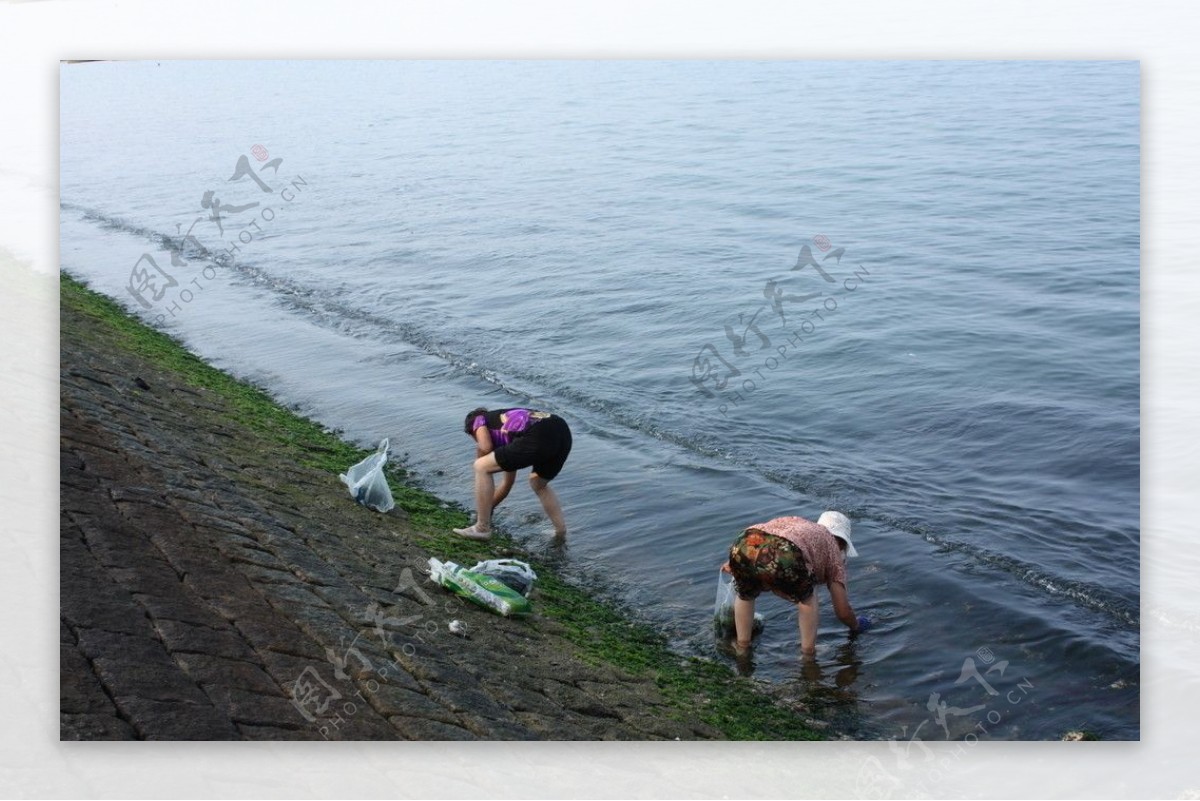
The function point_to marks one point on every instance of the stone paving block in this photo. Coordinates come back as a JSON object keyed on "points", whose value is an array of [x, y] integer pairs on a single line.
{"points": [[289, 597], [520, 699], [257, 557], [429, 667], [142, 646], [278, 635], [112, 543], [657, 726], [103, 463], [566, 726], [468, 701], [287, 669], [69, 461], [186, 637], [91, 605], [500, 729], [355, 720], [208, 520], [155, 682], [267, 531], [179, 490], [146, 519], [616, 695], [242, 706], [259, 574], [220, 537], [84, 496], [89, 374], [138, 495], [251, 732], [324, 625], [186, 555], [140, 567], [217, 586], [271, 529], [348, 600], [306, 565], [231, 673], [361, 659], [340, 555], [232, 606], [93, 726], [163, 720], [179, 607], [287, 517], [396, 702], [80, 437], [423, 729], [576, 700], [387, 673], [80, 692]]}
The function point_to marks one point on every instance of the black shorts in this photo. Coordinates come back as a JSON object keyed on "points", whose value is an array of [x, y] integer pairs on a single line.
{"points": [[544, 446]]}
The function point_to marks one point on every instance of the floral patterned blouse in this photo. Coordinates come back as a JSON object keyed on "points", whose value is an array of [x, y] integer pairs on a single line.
{"points": [[819, 546]]}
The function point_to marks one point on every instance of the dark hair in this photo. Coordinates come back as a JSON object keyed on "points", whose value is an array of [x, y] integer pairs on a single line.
{"points": [[471, 415]]}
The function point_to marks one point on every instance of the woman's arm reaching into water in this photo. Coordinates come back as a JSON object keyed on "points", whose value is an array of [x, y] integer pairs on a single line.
{"points": [[506, 485], [483, 442]]}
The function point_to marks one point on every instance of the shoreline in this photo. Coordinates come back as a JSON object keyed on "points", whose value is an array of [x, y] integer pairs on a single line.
{"points": [[218, 582]]}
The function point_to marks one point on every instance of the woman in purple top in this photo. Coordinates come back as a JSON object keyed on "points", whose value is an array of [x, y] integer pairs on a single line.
{"points": [[508, 440], [790, 556]]}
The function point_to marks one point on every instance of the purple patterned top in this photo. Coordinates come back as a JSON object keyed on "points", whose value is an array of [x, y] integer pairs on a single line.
{"points": [[506, 424]]}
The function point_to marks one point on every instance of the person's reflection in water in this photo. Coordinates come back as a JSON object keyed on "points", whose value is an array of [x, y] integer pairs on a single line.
{"points": [[847, 674], [744, 659], [847, 661]]}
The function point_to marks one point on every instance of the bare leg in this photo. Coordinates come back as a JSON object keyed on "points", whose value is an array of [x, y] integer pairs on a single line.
{"points": [[743, 621], [809, 617], [541, 488], [485, 489]]}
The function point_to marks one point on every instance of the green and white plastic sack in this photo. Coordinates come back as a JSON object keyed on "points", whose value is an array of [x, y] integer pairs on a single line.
{"points": [[488, 592], [513, 572]]}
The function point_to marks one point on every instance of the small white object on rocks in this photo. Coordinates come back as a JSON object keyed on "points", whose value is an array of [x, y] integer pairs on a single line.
{"points": [[458, 627]]}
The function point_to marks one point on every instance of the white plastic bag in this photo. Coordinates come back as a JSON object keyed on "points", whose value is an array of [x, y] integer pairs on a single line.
{"points": [[512, 572], [367, 483], [723, 608]]}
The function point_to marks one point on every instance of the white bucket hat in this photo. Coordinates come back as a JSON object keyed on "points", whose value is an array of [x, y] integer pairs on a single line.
{"points": [[839, 526]]}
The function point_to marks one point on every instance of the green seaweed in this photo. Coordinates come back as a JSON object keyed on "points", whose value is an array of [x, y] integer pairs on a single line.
{"points": [[704, 688]]}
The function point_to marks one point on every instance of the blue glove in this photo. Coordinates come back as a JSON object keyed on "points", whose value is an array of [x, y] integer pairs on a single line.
{"points": [[864, 624]]}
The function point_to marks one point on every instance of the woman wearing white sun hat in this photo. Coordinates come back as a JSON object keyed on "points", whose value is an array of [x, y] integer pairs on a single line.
{"points": [[790, 556]]}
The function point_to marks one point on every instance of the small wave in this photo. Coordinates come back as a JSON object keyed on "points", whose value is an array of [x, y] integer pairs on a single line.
{"points": [[184, 247], [1082, 593]]}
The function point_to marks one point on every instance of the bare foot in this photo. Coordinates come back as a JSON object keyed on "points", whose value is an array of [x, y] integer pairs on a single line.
{"points": [[473, 532]]}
